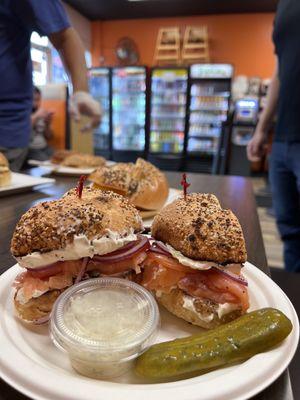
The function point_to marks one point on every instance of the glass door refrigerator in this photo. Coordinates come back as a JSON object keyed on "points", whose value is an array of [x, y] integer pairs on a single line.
{"points": [[128, 112], [209, 97], [168, 108], [100, 89]]}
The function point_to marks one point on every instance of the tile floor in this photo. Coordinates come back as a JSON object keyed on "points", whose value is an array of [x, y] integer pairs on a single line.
{"points": [[273, 244]]}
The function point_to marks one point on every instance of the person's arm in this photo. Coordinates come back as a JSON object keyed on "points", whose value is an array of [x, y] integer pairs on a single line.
{"points": [[71, 50], [257, 146]]}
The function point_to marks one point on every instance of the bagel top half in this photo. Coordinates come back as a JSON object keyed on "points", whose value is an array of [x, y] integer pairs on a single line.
{"points": [[201, 229], [142, 183]]}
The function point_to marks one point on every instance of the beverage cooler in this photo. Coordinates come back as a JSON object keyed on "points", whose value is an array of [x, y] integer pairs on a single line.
{"points": [[244, 123], [168, 117], [209, 93], [128, 113], [100, 89]]}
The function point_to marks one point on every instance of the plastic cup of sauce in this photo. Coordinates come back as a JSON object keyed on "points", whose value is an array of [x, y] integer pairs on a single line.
{"points": [[104, 324]]}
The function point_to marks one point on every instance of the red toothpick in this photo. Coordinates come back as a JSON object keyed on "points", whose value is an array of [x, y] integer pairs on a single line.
{"points": [[80, 184], [184, 185]]}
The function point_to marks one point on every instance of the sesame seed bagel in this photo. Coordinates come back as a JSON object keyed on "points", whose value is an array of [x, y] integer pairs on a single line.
{"points": [[5, 174], [52, 225], [37, 307], [59, 156], [142, 183], [200, 229]]}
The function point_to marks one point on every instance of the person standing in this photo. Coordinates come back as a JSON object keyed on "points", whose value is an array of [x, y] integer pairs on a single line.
{"points": [[18, 19], [41, 131], [284, 98]]}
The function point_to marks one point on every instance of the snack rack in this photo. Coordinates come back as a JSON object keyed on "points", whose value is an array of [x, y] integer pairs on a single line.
{"points": [[209, 97]]}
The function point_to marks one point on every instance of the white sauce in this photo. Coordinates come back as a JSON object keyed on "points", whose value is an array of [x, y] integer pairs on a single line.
{"points": [[80, 247], [189, 262], [105, 315], [223, 309]]}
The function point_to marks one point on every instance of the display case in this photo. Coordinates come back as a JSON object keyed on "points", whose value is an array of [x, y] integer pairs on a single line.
{"points": [[209, 97], [168, 106], [100, 89], [129, 86]]}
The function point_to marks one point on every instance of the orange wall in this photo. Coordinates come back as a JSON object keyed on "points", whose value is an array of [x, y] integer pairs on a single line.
{"points": [[59, 122], [241, 39]]}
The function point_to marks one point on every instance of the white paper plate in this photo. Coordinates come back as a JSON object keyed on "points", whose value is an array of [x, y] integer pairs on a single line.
{"points": [[62, 170], [23, 183], [33, 365]]}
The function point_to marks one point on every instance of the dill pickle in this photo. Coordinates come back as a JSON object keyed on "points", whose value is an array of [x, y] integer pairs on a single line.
{"points": [[233, 342]]}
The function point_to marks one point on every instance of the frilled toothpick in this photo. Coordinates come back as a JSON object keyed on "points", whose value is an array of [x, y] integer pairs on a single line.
{"points": [[184, 185], [80, 185]]}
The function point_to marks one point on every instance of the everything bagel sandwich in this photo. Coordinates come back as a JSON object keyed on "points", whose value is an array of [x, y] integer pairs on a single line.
{"points": [[59, 156], [60, 242], [79, 160], [5, 174], [142, 183], [194, 265]]}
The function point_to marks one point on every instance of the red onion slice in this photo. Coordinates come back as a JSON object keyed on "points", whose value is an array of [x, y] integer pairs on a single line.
{"points": [[42, 320], [157, 250], [160, 246], [126, 251], [234, 277], [81, 273]]}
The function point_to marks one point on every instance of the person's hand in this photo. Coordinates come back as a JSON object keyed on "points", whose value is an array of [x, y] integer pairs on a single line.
{"points": [[82, 103], [41, 113], [49, 117], [257, 147]]}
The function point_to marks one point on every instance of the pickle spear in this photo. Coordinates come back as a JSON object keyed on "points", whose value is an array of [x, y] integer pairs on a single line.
{"points": [[233, 342]]}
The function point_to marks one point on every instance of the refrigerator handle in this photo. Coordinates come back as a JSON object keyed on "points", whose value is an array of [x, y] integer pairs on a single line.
{"points": [[220, 161]]}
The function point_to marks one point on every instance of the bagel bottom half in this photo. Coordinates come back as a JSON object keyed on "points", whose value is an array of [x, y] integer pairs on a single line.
{"points": [[204, 314], [5, 178], [38, 307]]}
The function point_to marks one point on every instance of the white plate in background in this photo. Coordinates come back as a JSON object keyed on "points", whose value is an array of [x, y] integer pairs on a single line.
{"points": [[58, 169], [23, 183], [33, 365]]}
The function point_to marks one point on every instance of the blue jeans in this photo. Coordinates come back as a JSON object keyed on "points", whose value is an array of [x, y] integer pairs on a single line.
{"points": [[285, 184]]}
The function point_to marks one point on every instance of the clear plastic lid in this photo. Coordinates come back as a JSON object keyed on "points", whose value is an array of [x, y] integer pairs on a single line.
{"points": [[112, 318]]}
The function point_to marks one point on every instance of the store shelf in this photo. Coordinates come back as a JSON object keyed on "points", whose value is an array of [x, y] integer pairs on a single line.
{"points": [[168, 91], [168, 104], [204, 136], [129, 124], [225, 95], [167, 130], [167, 116], [128, 93]]}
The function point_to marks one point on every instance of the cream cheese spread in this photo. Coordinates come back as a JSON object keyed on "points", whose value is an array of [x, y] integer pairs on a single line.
{"points": [[188, 303], [80, 247], [189, 262], [223, 309], [226, 308]]}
